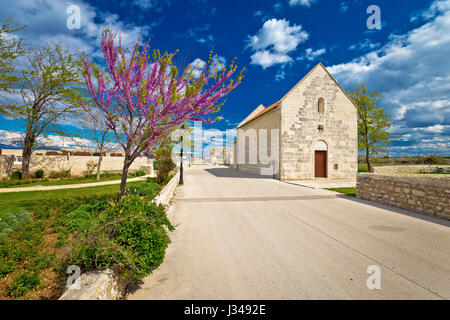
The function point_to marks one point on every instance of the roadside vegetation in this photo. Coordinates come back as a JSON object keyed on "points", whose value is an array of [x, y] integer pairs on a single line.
{"points": [[373, 123], [46, 231], [399, 161], [43, 232], [348, 191]]}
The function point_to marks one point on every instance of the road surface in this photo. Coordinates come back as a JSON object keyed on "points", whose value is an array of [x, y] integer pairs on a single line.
{"points": [[242, 236]]}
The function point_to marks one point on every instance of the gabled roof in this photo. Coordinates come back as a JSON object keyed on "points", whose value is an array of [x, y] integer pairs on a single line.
{"points": [[275, 105], [271, 107], [329, 74], [257, 110]]}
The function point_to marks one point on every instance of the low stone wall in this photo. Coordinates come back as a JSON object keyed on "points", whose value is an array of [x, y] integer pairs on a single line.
{"points": [[167, 193], [78, 165], [97, 285], [406, 169], [424, 195]]}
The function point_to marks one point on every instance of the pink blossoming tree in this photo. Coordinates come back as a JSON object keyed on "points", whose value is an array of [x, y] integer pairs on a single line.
{"points": [[143, 98]]}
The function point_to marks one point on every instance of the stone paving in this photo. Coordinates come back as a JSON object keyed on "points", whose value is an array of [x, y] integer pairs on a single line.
{"points": [[325, 183]]}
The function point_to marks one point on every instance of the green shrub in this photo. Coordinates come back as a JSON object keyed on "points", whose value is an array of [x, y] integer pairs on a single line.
{"points": [[128, 235], [11, 221], [149, 190], [139, 173], [82, 218], [16, 175], [6, 266], [25, 281], [165, 164], [59, 174], [39, 174]]}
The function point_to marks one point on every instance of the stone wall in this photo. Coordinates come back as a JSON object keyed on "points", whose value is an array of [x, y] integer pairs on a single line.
{"points": [[424, 195], [78, 165], [267, 121], [300, 128], [405, 169]]}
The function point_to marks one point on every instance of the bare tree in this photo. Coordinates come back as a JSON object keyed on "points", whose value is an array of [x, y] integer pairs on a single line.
{"points": [[100, 135]]}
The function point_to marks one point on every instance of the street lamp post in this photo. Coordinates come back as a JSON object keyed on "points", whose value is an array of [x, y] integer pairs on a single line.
{"points": [[181, 156]]}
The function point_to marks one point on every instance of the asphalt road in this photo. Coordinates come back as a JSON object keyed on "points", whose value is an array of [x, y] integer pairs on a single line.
{"points": [[241, 236]]}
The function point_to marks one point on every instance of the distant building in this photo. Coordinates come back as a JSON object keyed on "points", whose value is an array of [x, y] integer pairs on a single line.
{"points": [[315, 127], [221, 155]]}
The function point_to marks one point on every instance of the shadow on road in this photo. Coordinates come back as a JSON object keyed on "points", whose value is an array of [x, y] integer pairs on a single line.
{"points": [[408, 213], [227, 172]]}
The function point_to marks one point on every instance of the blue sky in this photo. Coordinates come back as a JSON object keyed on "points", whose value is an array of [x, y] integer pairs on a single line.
{"points": [[407, 60]]}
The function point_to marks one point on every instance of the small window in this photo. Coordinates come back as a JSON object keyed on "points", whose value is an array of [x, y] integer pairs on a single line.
{"points": [[320, 128], [321, 105]]}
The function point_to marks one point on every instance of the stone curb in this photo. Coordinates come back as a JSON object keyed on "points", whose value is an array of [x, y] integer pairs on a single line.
{"points": [[167, 193]]}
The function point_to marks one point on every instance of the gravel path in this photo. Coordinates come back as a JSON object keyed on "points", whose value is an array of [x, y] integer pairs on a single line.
{"points": [[70, 186]]}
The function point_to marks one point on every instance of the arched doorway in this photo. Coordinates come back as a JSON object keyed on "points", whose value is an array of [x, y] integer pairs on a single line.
{"points": [[320, 159]]}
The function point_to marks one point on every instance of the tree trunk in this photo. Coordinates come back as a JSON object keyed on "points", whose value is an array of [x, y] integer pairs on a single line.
{"points": [[123, 182], [26, 155], [100, 158], [369, 166]]}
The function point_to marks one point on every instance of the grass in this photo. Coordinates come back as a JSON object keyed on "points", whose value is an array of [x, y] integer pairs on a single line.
{"points": [[33, 258], [348, 191], [14, 201], [58, 182], [362, 167]]}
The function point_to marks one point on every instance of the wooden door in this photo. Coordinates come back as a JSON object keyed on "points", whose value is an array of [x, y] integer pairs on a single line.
{"points": [[320, 164]]}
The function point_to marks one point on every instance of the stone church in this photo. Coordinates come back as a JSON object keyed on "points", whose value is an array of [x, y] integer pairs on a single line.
{"points": [[309, 133]]}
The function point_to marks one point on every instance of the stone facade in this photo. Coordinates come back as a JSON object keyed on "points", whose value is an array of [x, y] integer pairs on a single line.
{"points": [[304, 129], [424, 195], [251, 134], [78, 165]]}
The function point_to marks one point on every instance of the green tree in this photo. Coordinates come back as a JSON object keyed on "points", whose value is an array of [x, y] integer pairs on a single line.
{"points": [[11, 48], [48, 91], [164, 162], [373, 122]]}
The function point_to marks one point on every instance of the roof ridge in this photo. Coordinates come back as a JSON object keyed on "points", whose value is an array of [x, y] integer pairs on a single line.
{"points": [[272, 106]]}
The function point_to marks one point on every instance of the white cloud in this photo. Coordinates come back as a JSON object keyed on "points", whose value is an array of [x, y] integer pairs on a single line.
{"points": [[277, 7], [304, 3], [145, 4], [280, 75], [266, 58], [412, 71], [343, 7], [274, 41], [364, 45], [46, 22], [197, 67], [258, 13], [199, 34], [218, 64], [311, 55]]}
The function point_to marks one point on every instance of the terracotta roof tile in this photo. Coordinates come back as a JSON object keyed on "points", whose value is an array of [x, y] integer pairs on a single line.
{"points": [[272, 106]]}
